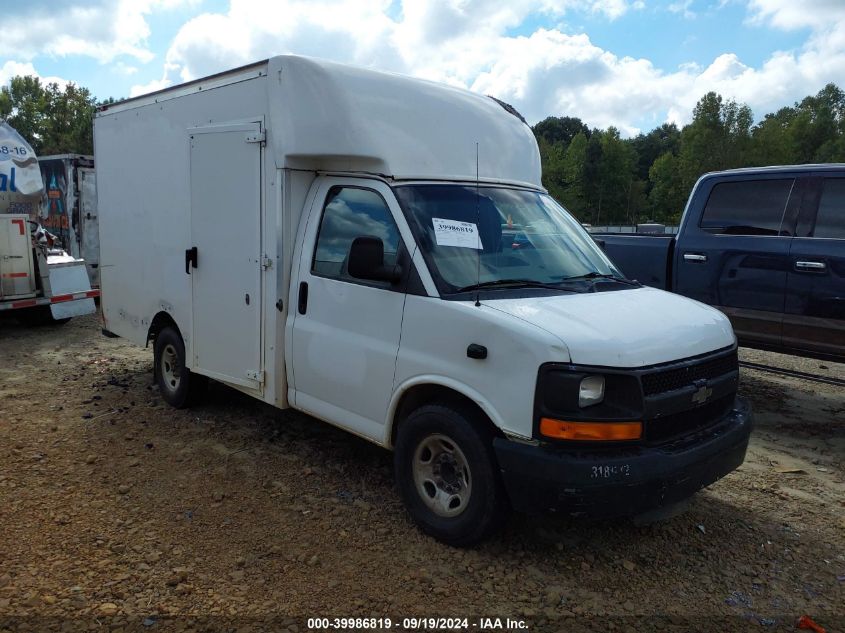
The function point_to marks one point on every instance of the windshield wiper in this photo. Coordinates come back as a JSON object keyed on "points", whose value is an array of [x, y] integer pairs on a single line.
{"points": [[597, 275], [514, 283]]}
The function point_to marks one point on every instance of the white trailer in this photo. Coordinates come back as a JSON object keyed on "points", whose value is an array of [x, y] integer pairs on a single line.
{"points": [[379, 252], [39, 281], [69, 209], [39, 284]]}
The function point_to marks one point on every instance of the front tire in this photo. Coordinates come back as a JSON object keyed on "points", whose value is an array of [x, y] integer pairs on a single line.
{"points": [[448, 476], [179, 386]]}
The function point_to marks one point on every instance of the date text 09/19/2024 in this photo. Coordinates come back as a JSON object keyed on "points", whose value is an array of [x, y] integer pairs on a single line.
{"points": [[417, 624]]}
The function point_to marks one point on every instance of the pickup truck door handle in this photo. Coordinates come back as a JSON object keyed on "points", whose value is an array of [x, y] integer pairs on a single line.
{"points": [[191, 259], [303, 297], [698, 258], [815, 267]]}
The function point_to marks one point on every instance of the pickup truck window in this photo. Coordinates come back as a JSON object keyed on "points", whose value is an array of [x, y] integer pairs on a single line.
{"points": [[747, 207], [496, 237], [830, 219], [352, 212]]}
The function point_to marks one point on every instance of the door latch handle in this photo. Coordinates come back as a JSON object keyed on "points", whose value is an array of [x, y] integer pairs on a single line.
{"points": [[698, 258], [303, 298], [811, 266], [191, 259]]}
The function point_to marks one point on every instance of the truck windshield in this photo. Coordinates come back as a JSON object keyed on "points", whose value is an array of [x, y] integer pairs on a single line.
{"points": [[495, 237]]}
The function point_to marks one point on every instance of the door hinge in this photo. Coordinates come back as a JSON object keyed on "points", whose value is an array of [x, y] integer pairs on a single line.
{"points": [[266, 262], [258, 376], [257, 137]]}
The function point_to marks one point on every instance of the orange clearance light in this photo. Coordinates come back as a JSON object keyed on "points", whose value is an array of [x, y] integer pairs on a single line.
{"points": [[591, 431]]}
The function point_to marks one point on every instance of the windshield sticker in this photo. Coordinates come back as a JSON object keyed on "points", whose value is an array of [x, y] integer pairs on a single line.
{"points": [[454, 233]]}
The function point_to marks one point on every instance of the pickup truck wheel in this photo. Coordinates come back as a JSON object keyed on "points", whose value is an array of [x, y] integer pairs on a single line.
{"points": [[179, 386], [447, 475]]}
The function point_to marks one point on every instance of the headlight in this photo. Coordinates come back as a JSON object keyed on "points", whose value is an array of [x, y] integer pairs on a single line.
{"points": [[591, 391]]}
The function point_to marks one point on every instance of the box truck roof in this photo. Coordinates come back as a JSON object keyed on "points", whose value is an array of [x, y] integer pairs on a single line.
{"points": [[328, 116]]}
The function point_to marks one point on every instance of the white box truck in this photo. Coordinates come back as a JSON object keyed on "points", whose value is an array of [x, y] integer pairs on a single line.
{"points": [[378, 252]]}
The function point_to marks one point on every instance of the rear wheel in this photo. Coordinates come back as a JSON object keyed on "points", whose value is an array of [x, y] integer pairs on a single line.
{"points": [[179, 386], [447, 474]]}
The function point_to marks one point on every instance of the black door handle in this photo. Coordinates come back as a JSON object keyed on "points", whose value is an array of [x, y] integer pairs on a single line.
{"points": [[191, 258], [303, 297]]}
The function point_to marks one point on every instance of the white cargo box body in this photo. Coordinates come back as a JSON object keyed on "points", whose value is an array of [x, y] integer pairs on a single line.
{"points": [[224, 165], [17, 277]]}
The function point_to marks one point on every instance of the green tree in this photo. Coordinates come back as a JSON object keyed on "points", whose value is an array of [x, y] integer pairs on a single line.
{"points": [[591, 178], [560, 129], [818, 123], [616, 177], [648, 147], [668, 193], [719, 137], [552, 160], [23, 103], [53, 120], [574, 194], [770, 139]]}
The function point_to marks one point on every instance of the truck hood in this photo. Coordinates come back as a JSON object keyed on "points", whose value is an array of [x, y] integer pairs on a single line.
{"points": [[625, 328]]}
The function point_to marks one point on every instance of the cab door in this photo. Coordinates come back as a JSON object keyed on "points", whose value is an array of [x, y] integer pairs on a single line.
{"points": [[814, 319], [737, 258], [345, 334]]}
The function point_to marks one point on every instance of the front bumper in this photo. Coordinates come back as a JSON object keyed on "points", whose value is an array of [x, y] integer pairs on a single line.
{"points": [[622, 481]]}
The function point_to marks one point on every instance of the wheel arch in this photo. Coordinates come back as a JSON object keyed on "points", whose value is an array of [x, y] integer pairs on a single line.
{"points": [[427, 389], [160, 321]]}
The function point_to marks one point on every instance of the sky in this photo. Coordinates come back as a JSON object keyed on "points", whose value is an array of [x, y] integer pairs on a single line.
{"points": [[633, 64]]}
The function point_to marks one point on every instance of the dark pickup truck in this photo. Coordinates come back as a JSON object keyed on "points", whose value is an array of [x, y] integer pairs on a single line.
{"points": [[764, 245]]}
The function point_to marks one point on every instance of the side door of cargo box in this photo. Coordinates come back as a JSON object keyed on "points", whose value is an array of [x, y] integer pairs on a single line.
{"points": [[814, 318], [224, 256]]}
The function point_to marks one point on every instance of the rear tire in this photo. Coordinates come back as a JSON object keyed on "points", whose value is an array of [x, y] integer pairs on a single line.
{"points": [[447, 474], [179, 386]]}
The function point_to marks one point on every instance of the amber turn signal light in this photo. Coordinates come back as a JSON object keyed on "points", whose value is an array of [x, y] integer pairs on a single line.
{"points": [[591, 431]]}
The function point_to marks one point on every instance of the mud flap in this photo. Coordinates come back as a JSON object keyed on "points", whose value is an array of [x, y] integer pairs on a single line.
{"points": [[66, 278]]}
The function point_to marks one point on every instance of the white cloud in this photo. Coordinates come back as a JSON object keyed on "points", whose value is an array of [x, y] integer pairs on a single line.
{"points": [[683, 7], [789, 14], [471, 43], [13, 68], [152, 86], [101, 29]]}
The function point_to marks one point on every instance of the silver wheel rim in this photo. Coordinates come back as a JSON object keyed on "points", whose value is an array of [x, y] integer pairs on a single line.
{"points": [[170, 368], [442, 475]]}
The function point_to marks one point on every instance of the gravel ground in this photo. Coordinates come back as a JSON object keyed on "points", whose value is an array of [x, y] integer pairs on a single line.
{"points": [[117, 511]]}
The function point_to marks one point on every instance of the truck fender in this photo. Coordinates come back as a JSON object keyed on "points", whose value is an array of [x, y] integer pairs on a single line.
{"points": [[438, 382]]}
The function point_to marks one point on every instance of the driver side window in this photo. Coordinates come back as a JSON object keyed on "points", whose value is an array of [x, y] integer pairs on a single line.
{"points": [[352, 212]]}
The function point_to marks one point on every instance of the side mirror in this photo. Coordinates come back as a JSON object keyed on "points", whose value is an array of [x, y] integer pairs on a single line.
{"points": [[366, 261]]}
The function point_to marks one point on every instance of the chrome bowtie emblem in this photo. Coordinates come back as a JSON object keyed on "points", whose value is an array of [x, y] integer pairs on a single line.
{"points": [[702, 394]]}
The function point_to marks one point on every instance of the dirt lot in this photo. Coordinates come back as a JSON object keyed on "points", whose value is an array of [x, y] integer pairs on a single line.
{"points": [[117, 511]]}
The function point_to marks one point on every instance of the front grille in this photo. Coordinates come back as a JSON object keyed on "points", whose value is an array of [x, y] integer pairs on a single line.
{"points": [[665, 380], [687, 422]]}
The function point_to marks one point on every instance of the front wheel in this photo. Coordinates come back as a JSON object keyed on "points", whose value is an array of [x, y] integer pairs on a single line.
{"points": [[447, 474], [179, 386]]}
